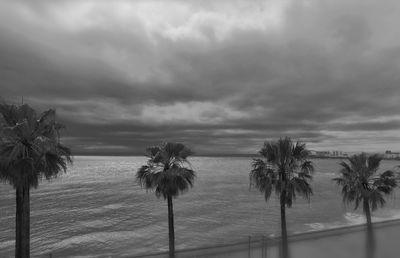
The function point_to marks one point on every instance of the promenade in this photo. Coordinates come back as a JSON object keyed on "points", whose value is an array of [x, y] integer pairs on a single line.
{"points": [[345, 242]]}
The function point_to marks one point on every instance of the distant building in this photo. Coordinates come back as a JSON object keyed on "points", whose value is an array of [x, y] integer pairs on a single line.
{"points": [[322, 153], [313, 152], [391, 155], [337, 153], [329, 154]]}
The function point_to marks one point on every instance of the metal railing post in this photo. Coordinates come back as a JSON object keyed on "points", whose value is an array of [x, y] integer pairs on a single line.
{"points": [[261, 246], [249, 255]]}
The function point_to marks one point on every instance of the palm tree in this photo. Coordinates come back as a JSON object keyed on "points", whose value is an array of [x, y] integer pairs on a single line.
{"points": [[286, 170], [30, 150], [167, 174], [361, 185]]}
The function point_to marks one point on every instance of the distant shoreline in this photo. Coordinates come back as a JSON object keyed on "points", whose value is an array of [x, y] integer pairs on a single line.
{"points": [[218, 156], [342, 157]]}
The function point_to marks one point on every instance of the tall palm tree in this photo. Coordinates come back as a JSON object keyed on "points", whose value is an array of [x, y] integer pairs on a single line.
{"points": [[284, 168], [361, 185], [30, 150], [167, 173]]}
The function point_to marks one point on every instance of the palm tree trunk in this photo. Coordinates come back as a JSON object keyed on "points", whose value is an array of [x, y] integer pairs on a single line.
{"points": [[18, 222], [370, 243], [284, 247], [171, 228], [22, 222]]}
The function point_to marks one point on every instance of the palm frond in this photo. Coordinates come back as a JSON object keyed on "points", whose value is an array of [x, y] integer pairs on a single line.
{"points": [[298, 185], [346, 169], [374, 162], [263, 178], [299, 151], [174, 182], [376, 199], [307, 167], [386, 182], [146, 177]]}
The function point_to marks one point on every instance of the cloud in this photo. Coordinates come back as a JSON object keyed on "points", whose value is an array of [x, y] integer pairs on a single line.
{"points": [[221, 76]]}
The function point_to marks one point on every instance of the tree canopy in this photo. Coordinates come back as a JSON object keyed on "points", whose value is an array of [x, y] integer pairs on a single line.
{"points": [[167, 170], [30, 147]]}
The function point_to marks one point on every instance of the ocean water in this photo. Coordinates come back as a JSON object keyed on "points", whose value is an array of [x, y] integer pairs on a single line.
{"points": [[97, 209]]}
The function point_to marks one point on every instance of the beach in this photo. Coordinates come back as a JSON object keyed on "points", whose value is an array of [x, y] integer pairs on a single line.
{"points": [[344, 242]]}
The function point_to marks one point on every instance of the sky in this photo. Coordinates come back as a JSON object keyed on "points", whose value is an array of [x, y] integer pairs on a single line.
{"points": [[220, 76]]}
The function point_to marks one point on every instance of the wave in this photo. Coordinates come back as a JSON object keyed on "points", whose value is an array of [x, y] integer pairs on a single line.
{"points": [[327, 174], [352, 219], [322, 226], [5, 244]]}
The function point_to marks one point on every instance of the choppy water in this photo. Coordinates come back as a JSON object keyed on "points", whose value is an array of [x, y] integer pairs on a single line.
{"points": [[98, 210]]}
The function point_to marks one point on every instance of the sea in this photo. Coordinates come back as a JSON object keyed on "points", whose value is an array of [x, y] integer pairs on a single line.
{"points": [[97, 209]]}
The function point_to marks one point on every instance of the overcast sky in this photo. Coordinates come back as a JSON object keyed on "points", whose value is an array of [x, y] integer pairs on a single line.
{"points": [[221, 76]]}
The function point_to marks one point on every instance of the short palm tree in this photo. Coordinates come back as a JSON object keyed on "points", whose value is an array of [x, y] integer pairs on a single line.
{"points": [[168, 174], [30, 150], [361, 185], [284, 168]]}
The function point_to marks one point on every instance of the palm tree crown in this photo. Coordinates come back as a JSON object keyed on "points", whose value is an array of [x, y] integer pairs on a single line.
{"points": [[360, 183], [285, 168], [29, 146], [165, 170]]}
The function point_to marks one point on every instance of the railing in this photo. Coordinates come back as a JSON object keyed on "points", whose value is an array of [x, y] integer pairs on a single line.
{"points": [[254, 247]]}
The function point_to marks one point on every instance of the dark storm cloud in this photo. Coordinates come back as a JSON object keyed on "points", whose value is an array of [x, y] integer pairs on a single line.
{"points": [[219, 76], [137, 137]]}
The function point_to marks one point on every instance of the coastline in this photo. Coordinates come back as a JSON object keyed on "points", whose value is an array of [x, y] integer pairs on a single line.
{"points": [[306, 241]]}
